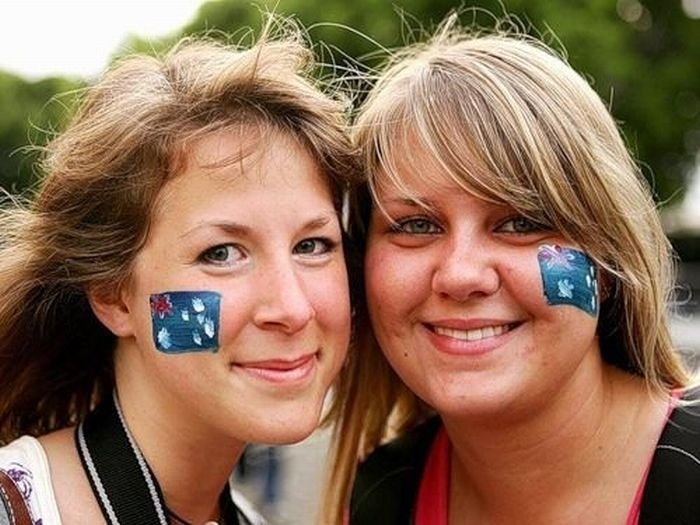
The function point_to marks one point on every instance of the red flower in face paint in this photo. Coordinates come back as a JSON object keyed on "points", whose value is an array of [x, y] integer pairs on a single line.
{"points": [[161, 305]]}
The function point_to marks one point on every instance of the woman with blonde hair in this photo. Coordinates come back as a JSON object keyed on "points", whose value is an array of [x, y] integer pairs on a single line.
{"points": [[516, 279], [177, 288]]}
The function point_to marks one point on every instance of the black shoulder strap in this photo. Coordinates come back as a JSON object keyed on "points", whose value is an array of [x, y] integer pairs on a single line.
{"points": [[123, 484], [122, 481], [672, 491], [386, 486]]}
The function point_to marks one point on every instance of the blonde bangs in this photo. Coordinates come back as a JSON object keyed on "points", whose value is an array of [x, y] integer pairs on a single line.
{"points": [[500, 128], [457, 139]]}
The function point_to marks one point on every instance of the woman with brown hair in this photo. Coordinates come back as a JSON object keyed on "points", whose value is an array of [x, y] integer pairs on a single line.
{"points": [[177, 288], [517, 280]]}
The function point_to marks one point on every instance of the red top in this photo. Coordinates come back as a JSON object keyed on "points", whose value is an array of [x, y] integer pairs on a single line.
{"points": [[434, 492]]}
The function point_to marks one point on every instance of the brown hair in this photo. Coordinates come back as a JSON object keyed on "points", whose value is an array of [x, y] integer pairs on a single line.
{"points": [[102, 176]]}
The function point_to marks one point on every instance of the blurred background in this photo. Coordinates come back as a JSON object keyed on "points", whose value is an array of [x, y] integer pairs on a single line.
{"points": [[642, 57]]}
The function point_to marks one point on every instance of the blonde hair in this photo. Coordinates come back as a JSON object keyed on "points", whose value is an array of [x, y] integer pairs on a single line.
{"points": [[506, 119], [103, 175]]}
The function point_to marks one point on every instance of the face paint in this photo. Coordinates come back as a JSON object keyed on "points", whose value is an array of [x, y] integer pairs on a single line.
{"points": [[185, 321], [568, 277]]}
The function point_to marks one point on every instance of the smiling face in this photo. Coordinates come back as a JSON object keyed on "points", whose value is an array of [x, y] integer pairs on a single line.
{"points": [[259, 237], [456, 299]]}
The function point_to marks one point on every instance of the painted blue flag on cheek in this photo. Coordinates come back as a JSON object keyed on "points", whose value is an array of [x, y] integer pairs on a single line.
{"points": [[186, 321], [569, 277]]}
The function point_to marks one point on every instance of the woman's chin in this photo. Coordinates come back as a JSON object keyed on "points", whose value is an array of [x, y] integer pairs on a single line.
{"points": [[287, 430], [286, 436]]}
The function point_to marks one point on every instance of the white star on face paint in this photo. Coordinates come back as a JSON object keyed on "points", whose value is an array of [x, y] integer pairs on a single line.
{"points": [[198, 305], [164, 338], [565, 289], [209, 327]]}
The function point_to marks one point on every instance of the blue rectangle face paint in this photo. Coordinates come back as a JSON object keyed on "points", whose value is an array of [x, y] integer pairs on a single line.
{"points": [[569, 277], [186, 321]]}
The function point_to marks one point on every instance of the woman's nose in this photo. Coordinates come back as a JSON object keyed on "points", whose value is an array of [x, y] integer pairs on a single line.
{"points": [[465, 269], [283, 302]]}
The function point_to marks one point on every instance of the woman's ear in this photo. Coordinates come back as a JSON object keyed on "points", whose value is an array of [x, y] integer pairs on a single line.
{"points": [[111, 309]]}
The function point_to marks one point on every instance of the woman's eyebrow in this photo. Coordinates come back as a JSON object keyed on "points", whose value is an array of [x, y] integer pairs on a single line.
{"points": [[317, 222], [241, 230], [231, 227]]}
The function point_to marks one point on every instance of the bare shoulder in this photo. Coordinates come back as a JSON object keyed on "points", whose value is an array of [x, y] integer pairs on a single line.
{"points": [[74, 496]]}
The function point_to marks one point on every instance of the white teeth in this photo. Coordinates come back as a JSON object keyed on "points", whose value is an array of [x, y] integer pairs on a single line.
{"points": [[472, 335]]}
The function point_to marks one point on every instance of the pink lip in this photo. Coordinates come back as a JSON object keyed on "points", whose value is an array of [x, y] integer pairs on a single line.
{"points": [[281, 371], [459, 347]]}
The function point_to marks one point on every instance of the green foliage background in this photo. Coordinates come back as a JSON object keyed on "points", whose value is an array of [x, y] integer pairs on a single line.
{"points": [[642, 58]]}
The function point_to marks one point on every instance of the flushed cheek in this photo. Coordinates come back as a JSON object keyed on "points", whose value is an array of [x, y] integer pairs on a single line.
{"points": [[329, 296], [398, 281], [235, 316], [522, 280], [333, 325], [388, 305], [332, 304]]}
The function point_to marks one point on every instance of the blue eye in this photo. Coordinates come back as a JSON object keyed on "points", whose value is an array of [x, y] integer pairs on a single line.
{"points": [[314, 246], [417, 226], [521, 225], [222, 255]]}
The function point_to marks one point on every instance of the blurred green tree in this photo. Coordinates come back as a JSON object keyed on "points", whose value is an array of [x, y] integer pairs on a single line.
{"points": [[643, 58], [31, 111]]}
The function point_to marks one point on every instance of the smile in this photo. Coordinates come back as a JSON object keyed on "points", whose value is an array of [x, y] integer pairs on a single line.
{"points": [[470, 337], [476, 334], [280, 371]]}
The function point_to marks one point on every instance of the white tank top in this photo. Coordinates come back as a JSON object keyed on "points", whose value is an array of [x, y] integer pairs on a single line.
{"points": [[25, 462]]}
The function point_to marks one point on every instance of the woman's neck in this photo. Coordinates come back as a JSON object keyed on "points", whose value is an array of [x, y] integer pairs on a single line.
{"points": [[190, 460], [584, 446]]}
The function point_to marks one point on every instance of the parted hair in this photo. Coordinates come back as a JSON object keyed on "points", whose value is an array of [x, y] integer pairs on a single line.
{"points": [[101, 179], [504, 117]]}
